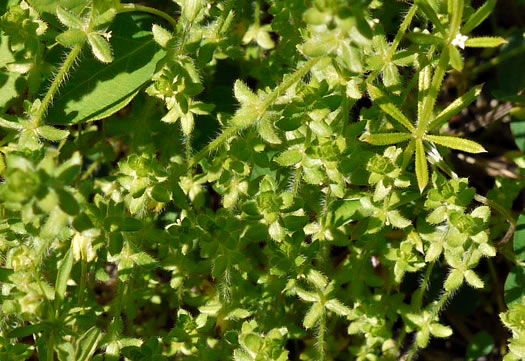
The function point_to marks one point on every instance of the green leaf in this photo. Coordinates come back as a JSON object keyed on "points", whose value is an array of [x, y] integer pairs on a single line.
{"points": [[397, 220], [100, 48], [295, 223], [244, 94], [67, 202], [440, 330], [515, 285], [24, 331], [50, 6], [320, 128], [313, 315], [485, 42], [438, 215], [5, 275], [429, 100], [68, 18], [421, 165], [251, 342], [454, 280], [87, 344], [289, 157], [63, 274], [473, 279], [457, 143], [456, 59], [96, 91], [10, 89], [143, 259], [267, 132], [345, 210], [423, 337], [106, 18], [479, 16], [160, 193], [338, 308], [52, 134], [10, 125], [481, 345], [387, 138], [320, 45], [71, 38], [29, 140], [317, 279], [455, 107], [388, 107], [391, 77], [519, 239], [455, 11]]}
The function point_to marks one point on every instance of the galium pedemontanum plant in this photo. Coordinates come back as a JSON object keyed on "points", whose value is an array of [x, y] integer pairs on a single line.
{"points": [[290, 235]]}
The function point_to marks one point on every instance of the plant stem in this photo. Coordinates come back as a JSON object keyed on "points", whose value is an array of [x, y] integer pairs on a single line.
{"points": [[268, 102], [50, 347], [60, 77], [320, 337], [418, 297], [126, 8], [187, 141]]}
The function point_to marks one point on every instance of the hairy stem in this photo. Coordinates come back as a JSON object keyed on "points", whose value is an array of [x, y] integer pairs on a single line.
{"points": [[267, 103], [321, 336], [418, 297], [126, 8], [60, 77]]}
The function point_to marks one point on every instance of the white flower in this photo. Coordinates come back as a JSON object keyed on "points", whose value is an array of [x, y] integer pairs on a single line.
{"points": [[459, 41]]}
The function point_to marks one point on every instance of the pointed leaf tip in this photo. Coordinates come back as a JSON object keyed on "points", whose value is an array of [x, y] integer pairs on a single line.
{"points": [[421, 166], [457, 143]]}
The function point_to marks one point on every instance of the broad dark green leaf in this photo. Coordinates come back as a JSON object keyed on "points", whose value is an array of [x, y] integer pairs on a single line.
{"points": [[25, 331], [519, 239], [515, 285], [50, 6], [5, 274], [97, 90], [345, 210], [68, 203], [481, 345]]}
